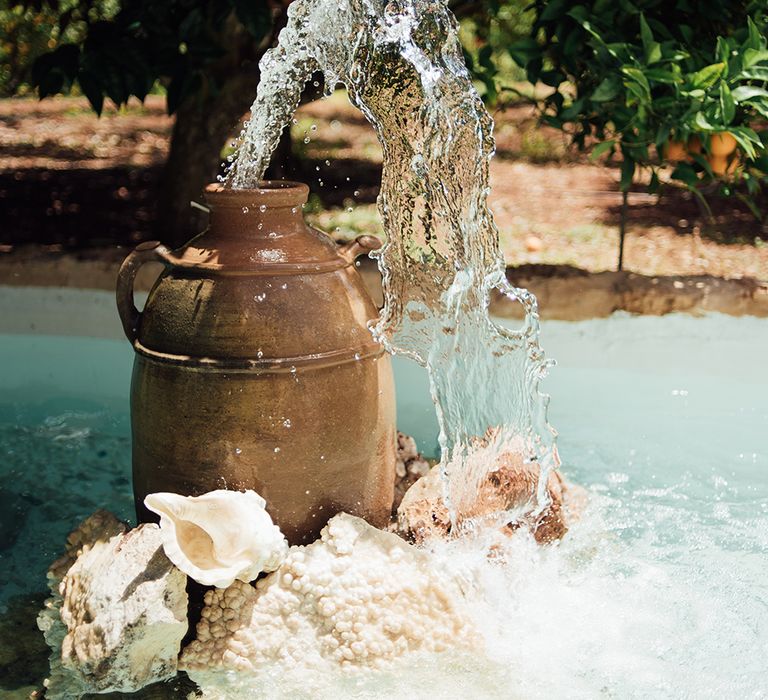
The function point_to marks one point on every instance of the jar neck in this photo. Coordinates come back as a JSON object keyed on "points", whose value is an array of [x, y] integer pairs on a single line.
{"points": [[259, 221], [273, 205]]}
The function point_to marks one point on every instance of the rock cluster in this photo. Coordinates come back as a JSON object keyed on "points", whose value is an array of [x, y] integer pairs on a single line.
{"points": [[118, 614], [510, 486], [409, 468], [358, 596]]}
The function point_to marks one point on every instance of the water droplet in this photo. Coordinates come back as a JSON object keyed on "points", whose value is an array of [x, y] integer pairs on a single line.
{"points": [[284, 286], [287, 422], [356, 193], [263, 208], [260, 226], [357, 355], [238, 451], [259, 354], [260, 297], [277, 449], [313, 127], [306, 139]]}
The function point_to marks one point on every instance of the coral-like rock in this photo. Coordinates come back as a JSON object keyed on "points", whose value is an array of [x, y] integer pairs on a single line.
{"points": [[409, 468], [123, 606], [510, 486], [63, 682], [219, 537], [99, 527], [358, 596]]}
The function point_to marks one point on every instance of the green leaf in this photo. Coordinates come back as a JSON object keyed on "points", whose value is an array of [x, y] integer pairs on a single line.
{"points": [[651, 48], [755, 39], [708, 75], [627, 173], [659, 75], [601, 148], [754, 56], [255, 16], [727, 104], [91, 88], [760, 106], [702, 123], [654, 184], [747, 139], [685, 173], [645, 33], [524, 51], [747, 92], [637, 76], [607, 90], [756, 73]]}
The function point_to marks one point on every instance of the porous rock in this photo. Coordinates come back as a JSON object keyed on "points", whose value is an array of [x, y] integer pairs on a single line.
{"points": [[409, 467], [63, 682], [356, 597], [510, 486], [118, 619]]}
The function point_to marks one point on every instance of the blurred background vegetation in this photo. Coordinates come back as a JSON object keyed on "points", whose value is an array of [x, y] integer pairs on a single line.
{"points": [[647, 87]]}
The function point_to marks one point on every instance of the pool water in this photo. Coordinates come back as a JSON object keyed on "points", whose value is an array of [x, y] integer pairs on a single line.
{"points": [[660, 590]]}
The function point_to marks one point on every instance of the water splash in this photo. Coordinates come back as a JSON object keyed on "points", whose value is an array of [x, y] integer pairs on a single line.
{"points": [[403, 67]]}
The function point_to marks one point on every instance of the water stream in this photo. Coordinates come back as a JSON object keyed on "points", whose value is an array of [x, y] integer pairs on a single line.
{"points": [[402, 65]]}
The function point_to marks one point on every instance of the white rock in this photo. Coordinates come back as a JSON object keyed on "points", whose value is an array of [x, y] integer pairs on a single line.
{"points": [[219, 537], [63, 682], [356, 597], [125, 612]]}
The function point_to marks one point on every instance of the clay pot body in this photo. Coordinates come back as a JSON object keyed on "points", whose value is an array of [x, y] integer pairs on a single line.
{"points": [[255, 368]]}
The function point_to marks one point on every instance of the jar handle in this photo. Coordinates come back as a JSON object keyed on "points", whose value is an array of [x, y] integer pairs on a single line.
{"points": [[150, 251], [361, 244]]}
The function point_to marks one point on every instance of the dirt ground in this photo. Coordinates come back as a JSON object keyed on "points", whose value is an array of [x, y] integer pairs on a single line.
{"points": [[72, 181]]}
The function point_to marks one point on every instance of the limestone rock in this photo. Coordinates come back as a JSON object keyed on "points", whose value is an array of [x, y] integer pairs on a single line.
{"points": [[509, 486], [100, 527], [356, 597], [123, 614], [409, 468]]}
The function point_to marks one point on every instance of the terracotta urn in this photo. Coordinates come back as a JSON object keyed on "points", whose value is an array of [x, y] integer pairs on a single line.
{"points": [[255, 367]]}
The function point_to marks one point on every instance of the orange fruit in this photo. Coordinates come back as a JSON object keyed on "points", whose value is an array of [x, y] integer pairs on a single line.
{"points": [[722, 144], [675, 151]]}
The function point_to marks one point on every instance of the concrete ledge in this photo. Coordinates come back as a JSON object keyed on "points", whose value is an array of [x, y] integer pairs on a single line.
{"points": [[564, 293], [570, 294]]}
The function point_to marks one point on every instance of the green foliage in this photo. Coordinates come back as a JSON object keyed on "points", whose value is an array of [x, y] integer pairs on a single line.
{"points": [[488, 29], [30, 30], [630, 75], [187, 45]]}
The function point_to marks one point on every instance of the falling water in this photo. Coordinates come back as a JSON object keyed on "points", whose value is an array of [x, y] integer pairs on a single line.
{"points": [[402, 65]]}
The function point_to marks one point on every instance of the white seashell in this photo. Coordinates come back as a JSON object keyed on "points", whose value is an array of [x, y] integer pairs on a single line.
{"points": [[219, 537]]}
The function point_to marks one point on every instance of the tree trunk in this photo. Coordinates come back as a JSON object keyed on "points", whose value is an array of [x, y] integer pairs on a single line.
{"points": [[203, 124], [200, 131]]}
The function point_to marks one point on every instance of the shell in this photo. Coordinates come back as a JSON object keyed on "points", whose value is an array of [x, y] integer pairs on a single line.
{"points": [[219, 537]]}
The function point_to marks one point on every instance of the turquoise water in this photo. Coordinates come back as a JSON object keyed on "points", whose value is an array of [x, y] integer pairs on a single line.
{"points": [[660, 591]]}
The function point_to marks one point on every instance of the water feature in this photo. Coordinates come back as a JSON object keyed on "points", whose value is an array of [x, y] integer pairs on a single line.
{"points": [[658, 591], [403, 67]]}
